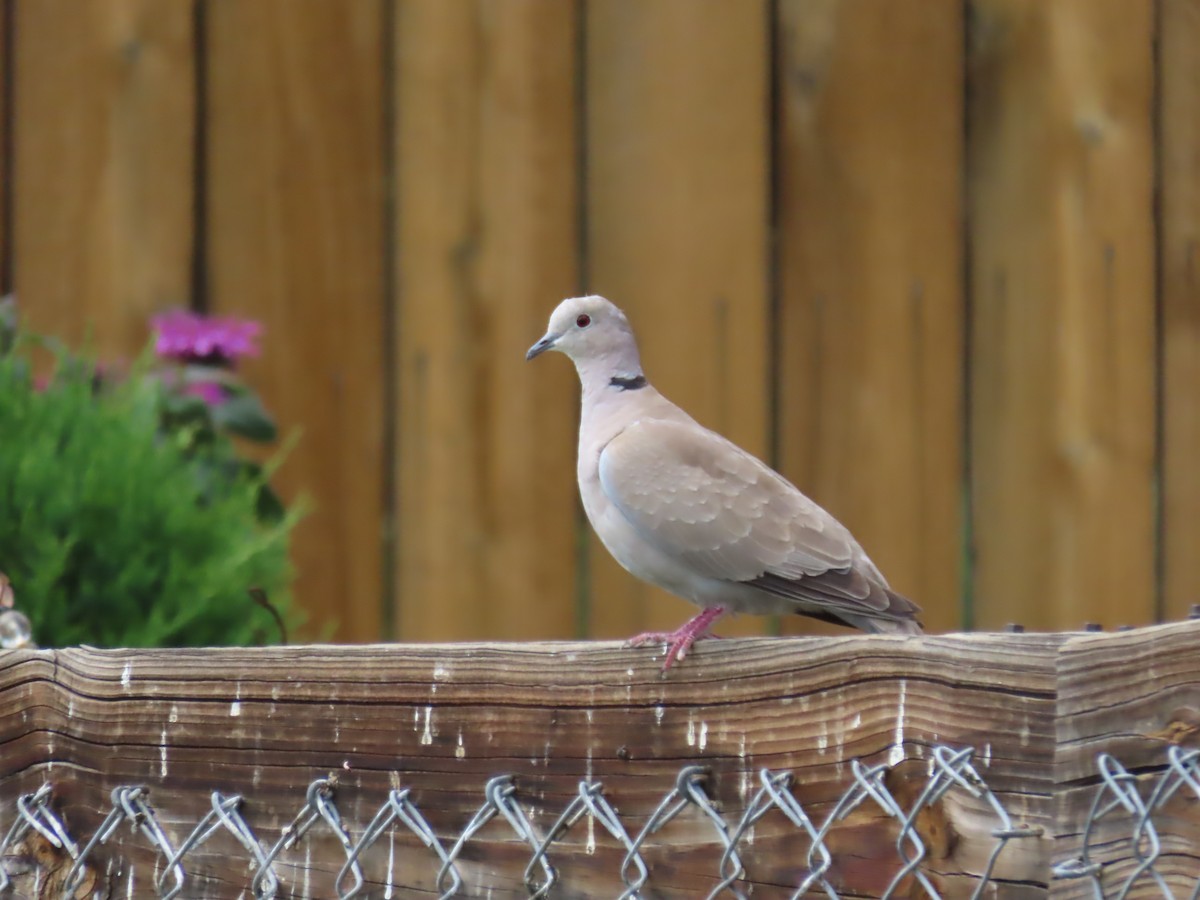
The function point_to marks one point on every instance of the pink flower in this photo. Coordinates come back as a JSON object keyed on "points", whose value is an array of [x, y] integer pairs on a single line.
{"points": [[208, 391], [189, 337]]}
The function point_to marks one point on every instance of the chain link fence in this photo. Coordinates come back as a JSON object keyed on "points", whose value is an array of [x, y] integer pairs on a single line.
{"points": [[1120, 795], [1120, 803]]}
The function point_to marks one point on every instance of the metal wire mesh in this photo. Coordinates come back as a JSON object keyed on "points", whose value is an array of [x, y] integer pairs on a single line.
{"points": [[1119, 798], [949, 770]]}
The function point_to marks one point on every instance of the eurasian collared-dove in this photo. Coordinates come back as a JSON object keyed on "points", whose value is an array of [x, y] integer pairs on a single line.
{"points": [[681, 507]]}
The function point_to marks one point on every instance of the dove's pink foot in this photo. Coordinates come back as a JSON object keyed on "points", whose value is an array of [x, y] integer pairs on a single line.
{"points": [[681, 639]]}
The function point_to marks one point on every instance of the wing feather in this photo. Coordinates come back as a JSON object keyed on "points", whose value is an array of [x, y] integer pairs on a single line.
{"points": [[703, 500]]}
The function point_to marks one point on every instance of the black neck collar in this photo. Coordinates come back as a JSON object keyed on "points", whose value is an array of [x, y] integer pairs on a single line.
{"points": [[637, 382]]}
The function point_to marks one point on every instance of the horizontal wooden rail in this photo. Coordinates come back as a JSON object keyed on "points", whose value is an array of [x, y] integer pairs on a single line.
{"points": [[443, 720]]}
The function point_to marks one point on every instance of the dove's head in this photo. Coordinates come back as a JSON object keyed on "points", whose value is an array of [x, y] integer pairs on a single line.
{"points": [[594, 334]]}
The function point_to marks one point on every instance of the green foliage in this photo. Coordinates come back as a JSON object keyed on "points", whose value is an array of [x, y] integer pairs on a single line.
{"points": [[126, 519]]}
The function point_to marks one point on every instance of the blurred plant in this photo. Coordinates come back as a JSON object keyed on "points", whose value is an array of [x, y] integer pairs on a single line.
{"points": [[127, 515], [205, 401]]}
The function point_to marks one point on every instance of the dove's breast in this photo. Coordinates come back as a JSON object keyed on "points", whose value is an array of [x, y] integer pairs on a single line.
{"points": [[644, 561], [633, 553]]}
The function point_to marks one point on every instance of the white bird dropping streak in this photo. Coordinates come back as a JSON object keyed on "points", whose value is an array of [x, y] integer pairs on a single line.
{"points": [[427, 734], [162, 755], [896, 756], [235, 708], [126, 675]]}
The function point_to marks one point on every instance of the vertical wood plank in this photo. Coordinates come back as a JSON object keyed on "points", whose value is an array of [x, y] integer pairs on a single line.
{"points": [[6, 87], [103, 190], [1179, 249], [1061, 161], [870, 265], [295, 210], [678, 156], [487, 244]]}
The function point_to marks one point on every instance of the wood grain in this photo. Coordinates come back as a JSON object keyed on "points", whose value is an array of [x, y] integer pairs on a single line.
{"points": [[442, 719], [1132, 695], [1062, 393], [487, 245], [6, 92], [102, 193], [1179, 259], [870, 368], [295, 212], [677, 192]]}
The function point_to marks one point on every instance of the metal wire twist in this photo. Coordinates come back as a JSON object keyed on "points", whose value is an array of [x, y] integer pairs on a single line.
{"points": [[34, 813]]}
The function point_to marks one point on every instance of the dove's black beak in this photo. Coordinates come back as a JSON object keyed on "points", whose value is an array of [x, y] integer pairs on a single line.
{"points": [[541, 346]]}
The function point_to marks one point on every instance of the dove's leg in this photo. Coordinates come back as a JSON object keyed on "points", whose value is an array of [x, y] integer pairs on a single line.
{"points": [[681, 639]]}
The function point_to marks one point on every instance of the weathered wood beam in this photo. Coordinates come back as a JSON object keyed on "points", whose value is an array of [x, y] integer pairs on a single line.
{"points": [[1134, 695], [444, 719]]}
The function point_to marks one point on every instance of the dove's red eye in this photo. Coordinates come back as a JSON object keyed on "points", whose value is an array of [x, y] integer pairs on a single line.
{"points": [[583, 321]]}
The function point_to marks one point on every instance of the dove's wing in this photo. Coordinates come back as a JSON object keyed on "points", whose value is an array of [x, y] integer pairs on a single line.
{"points": [[704, 501]]}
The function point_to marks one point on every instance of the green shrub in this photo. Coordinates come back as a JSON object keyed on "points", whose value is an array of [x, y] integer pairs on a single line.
{"points": [[126, 519]]}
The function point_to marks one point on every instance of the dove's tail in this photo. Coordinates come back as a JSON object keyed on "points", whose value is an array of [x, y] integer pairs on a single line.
{"points": [[899, 618], [888, 626]]}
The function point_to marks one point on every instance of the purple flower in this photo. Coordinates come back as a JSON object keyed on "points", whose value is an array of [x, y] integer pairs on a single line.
{"points": [[208, 391], [189, 337]]}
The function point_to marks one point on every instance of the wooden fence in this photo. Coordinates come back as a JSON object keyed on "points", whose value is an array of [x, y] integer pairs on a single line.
{"points": [[145, 738], [935, 258]]}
